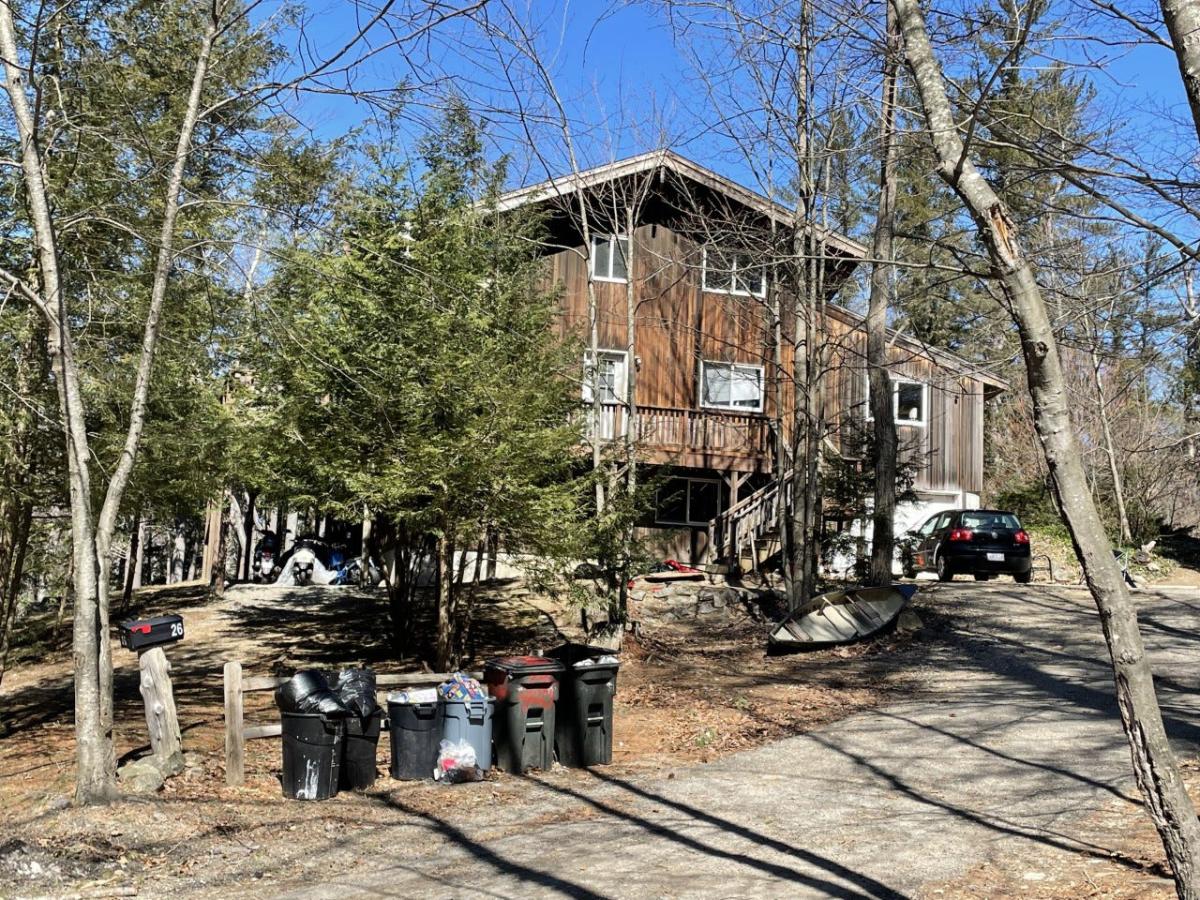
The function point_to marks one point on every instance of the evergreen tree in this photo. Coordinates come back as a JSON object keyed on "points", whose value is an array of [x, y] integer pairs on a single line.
{"points": [[416, 374]]}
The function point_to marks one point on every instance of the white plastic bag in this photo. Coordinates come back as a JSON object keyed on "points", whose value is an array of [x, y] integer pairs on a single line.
{"points": [[456, 763]]}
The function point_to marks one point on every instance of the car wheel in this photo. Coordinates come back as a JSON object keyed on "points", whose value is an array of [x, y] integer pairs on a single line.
{"points": [[907, 569], [979, 577], [943, 569], [1023, 577]]}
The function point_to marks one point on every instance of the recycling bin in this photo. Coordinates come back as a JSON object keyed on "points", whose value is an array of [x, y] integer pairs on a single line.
{"points": [[312, 755], [416, 730], [584, 723], [526, 690], [470, 721], [359, 747]]}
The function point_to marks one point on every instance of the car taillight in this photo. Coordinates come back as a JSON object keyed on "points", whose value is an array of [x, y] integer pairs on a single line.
{"points": [[1021, 537], [961, 534]]}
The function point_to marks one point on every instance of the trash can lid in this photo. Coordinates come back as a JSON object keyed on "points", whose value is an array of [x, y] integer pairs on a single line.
{"points": [[525, 665], [573, 655]]}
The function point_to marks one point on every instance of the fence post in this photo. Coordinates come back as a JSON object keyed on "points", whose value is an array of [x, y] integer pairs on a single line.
{"points": [[235, 735]]}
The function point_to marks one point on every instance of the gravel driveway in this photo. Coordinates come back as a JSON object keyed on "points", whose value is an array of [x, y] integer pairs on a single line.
{"points": [[1008, 749]]}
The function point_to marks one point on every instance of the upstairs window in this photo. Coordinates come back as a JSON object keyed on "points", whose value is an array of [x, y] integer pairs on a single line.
{"points": [[732, 273], [610, 257], [731, 386], [608, 375], [909, 401]]}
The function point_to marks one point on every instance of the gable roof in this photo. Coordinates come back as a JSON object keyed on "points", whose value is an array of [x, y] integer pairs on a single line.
{"points": [[669, 161], [666, 161]]}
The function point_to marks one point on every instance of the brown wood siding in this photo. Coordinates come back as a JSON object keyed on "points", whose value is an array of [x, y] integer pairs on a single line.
{"points": [[678, 325]]}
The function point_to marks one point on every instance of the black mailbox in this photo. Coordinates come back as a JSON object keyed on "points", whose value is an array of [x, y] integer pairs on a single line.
{"points": [[150, 632]]}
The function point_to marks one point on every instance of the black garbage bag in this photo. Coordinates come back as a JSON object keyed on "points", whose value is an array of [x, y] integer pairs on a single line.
{"points": [[308, 691], [356, 688]]}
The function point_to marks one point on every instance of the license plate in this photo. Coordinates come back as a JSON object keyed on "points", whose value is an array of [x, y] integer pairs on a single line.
{"points": [[995, 557]]}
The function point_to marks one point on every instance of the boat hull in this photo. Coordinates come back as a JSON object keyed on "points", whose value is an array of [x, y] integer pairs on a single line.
{"points": [[840, 617]]}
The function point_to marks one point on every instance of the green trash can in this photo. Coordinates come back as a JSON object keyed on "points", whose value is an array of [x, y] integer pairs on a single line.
{"points": [[584, 724], [526, 691]]}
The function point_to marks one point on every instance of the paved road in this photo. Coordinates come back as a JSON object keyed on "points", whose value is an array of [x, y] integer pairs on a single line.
{"points": [[1009, 748]]}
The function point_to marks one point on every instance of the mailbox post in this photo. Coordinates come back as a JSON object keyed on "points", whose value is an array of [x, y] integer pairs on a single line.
{"points": [[147, 637]]}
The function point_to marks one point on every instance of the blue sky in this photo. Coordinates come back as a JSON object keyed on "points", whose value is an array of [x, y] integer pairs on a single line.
{"points": [[617, 66]]}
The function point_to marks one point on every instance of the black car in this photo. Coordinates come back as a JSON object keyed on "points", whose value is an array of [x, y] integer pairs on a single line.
{"points": [[979, 542]]}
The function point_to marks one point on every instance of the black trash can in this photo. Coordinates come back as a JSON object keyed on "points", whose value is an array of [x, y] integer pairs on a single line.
{"points": [[526, 692], [584, 724], [358, 757], [312, 755], [416, 731]]}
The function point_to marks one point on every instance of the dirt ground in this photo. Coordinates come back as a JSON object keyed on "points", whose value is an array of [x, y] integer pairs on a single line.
{"points": [[686, 693]]}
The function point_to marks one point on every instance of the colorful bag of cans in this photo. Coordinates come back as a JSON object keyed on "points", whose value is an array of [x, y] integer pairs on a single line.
{"points": [[461, 687]]}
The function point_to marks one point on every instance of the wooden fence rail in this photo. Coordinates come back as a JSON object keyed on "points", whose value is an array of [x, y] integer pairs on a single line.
{"points": [[237, 732]]}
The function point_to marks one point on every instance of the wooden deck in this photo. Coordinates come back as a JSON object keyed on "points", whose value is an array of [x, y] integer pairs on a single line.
{"points": [[696, 438]]}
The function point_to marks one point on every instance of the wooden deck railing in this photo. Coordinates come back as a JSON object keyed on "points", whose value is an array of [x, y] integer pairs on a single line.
{"points": [[694, 430], [751, 518]]}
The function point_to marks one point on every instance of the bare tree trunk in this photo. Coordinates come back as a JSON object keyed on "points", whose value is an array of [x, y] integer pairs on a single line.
{"points": [[178, 554], [133, 568], [632, 428], [800, 578], [92, 536], [12, 571], [1182, 18], [1110, 450], [237, 518], [444, 649], [1154, 763], [95, 758], [248, 527], [885, 442], [493, 549], [364, 556], [216, 569]]}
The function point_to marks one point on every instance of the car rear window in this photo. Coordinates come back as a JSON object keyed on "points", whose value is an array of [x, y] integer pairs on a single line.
{"points": [[991, 521]]}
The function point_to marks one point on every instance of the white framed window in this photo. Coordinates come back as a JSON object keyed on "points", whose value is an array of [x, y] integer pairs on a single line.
{"points": [[687, 501], [910, 401], [724, 272], [610, 257], [608, 374], [731, 386]]}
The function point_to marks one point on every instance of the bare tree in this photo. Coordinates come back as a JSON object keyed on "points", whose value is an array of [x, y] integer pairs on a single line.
{"points": [[91, 534], [885, 443], [51, 290], [1154, 763]]}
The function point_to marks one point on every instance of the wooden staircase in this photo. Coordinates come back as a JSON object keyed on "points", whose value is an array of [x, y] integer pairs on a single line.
{"points": [[749, 530]]}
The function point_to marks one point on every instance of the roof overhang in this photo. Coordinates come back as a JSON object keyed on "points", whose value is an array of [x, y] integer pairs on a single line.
{"points": [[992, 384], [664, 162]]}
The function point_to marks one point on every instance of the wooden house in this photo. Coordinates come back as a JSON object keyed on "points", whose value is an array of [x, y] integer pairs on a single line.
{"points": [[682, 266]]}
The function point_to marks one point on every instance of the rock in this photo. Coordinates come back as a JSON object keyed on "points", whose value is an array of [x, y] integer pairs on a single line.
{"points": [[908, 621], [141, 776], [172, 765], [608, 636]]}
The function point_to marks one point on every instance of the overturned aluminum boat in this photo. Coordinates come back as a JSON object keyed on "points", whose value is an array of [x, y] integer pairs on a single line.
{"points": [[840, 617]]}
